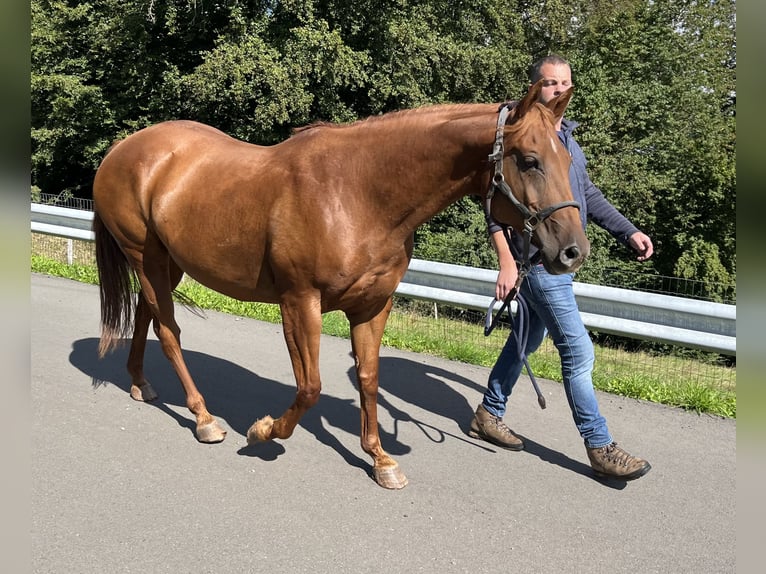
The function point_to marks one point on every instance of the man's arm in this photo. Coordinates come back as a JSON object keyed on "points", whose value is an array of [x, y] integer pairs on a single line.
{"points": [[603, 213], [607, 216]]}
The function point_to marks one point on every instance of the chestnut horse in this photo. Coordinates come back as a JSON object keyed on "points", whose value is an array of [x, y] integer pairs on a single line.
{"points": [[322, 221]]}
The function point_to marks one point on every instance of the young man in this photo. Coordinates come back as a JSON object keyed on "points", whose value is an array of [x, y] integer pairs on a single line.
{"points": [[552, 308]]}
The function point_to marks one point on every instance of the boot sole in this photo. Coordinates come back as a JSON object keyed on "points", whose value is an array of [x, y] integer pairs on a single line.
{"points": [[514, 447], [632, 476]]}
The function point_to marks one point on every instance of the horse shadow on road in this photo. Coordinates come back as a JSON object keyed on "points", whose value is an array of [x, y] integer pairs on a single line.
{"points": [[239, 396]]}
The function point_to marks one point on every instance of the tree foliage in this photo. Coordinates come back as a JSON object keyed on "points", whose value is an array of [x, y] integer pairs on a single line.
{"points": [[655, 93]]}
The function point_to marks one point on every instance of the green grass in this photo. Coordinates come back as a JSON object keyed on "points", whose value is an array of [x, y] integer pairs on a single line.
{"points": [[78, 272], [669, 380]]}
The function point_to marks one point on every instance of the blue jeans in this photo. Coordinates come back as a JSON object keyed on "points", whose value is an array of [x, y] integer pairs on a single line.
{"points": [[552, 308]]}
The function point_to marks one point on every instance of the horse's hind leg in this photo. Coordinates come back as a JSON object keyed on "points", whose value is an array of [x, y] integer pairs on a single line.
{"points": [[154, 274], [140, 388], [302, 324]]}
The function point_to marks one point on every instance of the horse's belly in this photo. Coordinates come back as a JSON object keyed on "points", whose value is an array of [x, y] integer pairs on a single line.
{"points": [[217, 242], [237, 287], [234, 271]]}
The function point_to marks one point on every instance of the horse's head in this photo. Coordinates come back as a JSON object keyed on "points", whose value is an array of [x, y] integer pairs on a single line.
{"points": [[532, 183]]}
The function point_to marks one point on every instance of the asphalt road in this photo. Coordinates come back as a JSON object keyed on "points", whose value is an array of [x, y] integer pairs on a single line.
{"points": [[121, 486]]}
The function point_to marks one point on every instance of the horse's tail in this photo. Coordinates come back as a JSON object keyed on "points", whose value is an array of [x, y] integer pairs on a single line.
{"points": [[115, 280]]}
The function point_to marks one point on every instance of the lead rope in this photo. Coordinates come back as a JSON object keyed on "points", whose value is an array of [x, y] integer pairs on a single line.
{"points": [[519, 324]]}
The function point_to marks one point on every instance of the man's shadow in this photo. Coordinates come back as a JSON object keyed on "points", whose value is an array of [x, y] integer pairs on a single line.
{"points": [[424, 386]]}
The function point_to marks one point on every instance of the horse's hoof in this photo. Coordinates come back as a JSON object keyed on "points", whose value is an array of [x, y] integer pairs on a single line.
{"points": [[390, 477], [211, 433], [260, 431], [144, 393]]}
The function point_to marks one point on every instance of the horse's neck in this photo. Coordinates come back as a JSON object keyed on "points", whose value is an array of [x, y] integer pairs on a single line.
{"points": [[423, 175]]}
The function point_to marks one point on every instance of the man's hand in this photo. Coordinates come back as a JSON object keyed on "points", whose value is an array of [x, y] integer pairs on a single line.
{"points": [[506, 280], [641, 243]]}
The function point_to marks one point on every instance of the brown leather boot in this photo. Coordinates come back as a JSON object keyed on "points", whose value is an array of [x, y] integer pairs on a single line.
{"points": [[492, 429], [611, 460]]}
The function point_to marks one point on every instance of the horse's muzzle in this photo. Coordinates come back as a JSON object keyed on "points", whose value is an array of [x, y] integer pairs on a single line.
{"points": [[567, 260]]}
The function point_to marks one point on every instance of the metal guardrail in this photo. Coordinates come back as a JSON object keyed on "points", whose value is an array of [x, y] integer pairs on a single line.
{"points": [[680, 321], [635, 314], [62, 221]]}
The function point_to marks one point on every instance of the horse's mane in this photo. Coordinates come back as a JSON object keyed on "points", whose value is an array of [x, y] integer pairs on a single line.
{"points": [[459, 110]]}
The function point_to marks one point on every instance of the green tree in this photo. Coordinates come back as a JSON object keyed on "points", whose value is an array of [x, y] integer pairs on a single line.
{"points": [[98, 71], [655, 93], [67, 105]]}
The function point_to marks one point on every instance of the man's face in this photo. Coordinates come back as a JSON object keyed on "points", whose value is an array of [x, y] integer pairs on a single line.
{"points": [[557, 78]]}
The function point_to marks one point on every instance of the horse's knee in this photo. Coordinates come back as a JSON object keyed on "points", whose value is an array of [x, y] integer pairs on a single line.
{"points": [[367, 377]]}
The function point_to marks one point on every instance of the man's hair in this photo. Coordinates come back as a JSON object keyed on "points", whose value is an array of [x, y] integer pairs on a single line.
{"points": [[534, 70]]}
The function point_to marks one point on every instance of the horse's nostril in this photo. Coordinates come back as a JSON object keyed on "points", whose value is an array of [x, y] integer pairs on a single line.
{"points": [[569, 254]]}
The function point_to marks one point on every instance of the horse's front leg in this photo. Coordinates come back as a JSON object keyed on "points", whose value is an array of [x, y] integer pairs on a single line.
{"points": [[302, 324], [366, 338]]}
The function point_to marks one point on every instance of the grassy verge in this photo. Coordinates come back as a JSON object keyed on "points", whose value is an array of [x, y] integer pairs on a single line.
{"points": [[662, 379]]}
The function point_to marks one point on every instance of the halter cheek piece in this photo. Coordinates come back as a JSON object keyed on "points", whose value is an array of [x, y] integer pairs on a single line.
{"points": [[520, 329]]}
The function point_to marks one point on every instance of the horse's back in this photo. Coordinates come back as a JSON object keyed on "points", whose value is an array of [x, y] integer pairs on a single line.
{"points": [[176, 157], [192, 192], [150, 146]]}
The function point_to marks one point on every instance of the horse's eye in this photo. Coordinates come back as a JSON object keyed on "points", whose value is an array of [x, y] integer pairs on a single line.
{"points": [[528, 162]]}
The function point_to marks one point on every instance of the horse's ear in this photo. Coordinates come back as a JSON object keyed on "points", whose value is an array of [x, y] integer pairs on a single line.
{"points": [[532, 96], [558, 105]]}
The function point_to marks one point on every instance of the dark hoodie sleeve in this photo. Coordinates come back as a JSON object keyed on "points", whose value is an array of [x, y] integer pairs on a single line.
{"points": [[599, 210], [605, 215]]}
